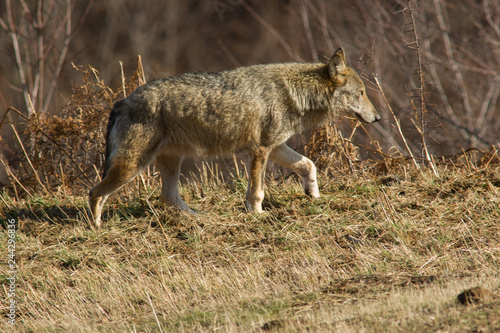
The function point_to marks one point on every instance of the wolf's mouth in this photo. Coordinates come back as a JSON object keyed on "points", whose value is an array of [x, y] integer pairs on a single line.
{"points": [[356, 113], [360, 118]]}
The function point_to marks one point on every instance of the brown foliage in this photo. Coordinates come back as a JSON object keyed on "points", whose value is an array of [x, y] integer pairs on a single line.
{"points": [[74, 141], [330, 151]]}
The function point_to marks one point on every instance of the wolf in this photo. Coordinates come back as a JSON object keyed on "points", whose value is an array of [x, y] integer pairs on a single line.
{"points": [[253, 109]]}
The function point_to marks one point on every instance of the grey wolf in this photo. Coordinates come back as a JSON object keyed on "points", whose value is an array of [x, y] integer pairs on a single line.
{"points": [[252, 109]]}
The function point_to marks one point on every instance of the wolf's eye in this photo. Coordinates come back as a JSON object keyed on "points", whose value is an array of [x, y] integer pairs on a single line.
{"points": [[361, 93]]}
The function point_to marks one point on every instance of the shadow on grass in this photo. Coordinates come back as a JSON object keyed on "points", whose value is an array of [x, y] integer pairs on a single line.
{"points": [[72, 215]]}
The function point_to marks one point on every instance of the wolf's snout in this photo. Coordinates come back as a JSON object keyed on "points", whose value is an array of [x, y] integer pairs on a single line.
{"points": [[374, 119], [368, 118]]}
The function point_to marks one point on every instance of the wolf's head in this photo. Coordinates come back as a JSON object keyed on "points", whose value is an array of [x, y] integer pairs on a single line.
{"points": [[350, 94]]}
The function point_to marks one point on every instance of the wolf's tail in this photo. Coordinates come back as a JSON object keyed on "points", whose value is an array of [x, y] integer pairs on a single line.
{"points": [[111, 123]]}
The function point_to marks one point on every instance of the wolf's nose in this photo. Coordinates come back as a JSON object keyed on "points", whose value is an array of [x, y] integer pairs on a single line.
{"points": [[377, 117]]}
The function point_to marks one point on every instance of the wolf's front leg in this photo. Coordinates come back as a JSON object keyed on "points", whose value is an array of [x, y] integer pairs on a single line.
{"points": [[255, 190], [289, 158], [170, 170]]}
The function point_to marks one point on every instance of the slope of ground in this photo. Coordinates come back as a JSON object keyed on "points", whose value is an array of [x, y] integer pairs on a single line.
{"points": [[373, 254]]}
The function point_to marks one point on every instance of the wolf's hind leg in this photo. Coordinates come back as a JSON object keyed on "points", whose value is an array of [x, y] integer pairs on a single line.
{"points": [[289, 158], [170, 170]]}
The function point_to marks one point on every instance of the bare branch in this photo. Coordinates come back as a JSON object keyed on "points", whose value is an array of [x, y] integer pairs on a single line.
{"points": [[273, 31], [449, 51], [398, 124], [62, 57], [487, 12], [4, 25], [14, 36], [421, 92], [307, 27], [38, 83]]}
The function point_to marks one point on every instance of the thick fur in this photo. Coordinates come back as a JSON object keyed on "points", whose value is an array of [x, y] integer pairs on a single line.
{"points": [[253, 109], [111, 124]]}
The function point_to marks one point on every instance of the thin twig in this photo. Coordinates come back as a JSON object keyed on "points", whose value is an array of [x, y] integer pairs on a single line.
{"points": [[396, 120], [38, 83], [421, 127], [230, 56], [4, 202], [62, 57], [273, 31], [140, 69], [307, 27], [123, 79], [488, 15], [28, 159], [17, 54], [450, 53], [428, 157], [10, 173]]}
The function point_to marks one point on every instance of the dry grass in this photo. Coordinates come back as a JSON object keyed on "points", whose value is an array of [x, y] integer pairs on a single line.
{"points": [[375, 253]]}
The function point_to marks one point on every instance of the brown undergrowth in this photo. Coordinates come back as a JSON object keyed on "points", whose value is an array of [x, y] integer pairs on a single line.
{"points": [[65, 151]]}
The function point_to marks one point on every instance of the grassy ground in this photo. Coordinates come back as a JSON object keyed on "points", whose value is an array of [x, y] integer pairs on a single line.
{"points": [[373, 254]]}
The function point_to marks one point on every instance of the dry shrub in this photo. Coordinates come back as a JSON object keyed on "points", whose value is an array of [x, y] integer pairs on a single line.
{"points": [[68, 149], [330, 151], [472, 159]]}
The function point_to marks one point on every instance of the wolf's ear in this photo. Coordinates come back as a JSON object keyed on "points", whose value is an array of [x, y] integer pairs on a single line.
{"points": [[337, 68]]}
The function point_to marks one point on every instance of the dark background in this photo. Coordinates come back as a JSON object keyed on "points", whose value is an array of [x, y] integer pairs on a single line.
{"points": [[454, 44]]}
